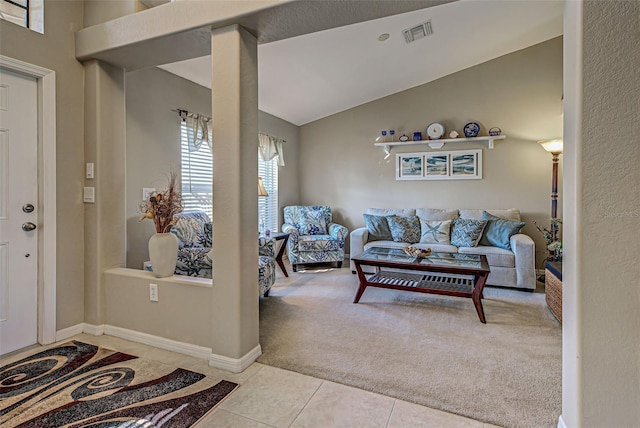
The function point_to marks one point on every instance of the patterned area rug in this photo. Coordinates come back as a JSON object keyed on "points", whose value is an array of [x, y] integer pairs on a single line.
{"points": [[82, 385]]}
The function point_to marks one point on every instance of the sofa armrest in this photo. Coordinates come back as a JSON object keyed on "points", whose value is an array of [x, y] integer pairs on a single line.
{"points": [[293, 233], [359, 237], [337, 231], [524, 250]]}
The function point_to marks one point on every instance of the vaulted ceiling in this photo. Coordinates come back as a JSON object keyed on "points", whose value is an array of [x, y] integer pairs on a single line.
{"points": [[311, 76]]}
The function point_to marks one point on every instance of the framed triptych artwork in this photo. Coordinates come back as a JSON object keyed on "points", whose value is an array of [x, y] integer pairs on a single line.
{"points": [[455, 165]]}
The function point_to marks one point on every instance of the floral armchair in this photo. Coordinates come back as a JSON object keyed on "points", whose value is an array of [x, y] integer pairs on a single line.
{"points": [[194, 233], [313, 237], [266, 264]]}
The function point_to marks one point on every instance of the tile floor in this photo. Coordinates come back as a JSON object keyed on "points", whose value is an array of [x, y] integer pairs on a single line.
{"points": [[272, 397]]}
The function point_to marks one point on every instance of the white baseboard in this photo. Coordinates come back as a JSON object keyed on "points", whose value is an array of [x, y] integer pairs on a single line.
{"points": [[561, 423], [235, 365], [68, 332], [159, 342], [94, 330]]}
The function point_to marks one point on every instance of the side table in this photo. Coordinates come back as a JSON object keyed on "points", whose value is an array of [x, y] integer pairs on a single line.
{"points": [[284, 237], [553, 288]]}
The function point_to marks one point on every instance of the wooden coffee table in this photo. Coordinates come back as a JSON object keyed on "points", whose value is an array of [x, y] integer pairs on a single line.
{"points": [[451, 274]]}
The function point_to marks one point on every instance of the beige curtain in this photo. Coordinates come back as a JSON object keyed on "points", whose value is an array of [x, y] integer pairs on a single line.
{"points": [[269, 147], [198, 131]]}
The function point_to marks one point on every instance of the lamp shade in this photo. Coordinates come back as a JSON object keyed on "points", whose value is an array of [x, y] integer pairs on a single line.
{"points": [[552, 146], [261, 190]]}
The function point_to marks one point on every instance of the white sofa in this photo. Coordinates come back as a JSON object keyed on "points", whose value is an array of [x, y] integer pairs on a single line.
{"points": [[509, 268]]}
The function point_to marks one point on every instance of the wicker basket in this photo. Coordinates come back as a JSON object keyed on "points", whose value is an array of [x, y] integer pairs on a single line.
{"points": [[553, 292]]}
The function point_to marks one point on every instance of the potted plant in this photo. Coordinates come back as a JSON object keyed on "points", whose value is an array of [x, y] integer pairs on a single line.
{"points": [[162, 208], [553, 242]]}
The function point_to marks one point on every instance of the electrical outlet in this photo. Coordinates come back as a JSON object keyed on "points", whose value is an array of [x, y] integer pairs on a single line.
{"points": [[153, 292]]}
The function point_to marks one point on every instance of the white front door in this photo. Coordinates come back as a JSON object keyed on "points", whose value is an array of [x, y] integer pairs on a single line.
{"points": [[18, 211]]}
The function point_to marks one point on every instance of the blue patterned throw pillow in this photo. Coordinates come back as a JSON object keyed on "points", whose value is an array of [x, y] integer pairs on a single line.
{"points": [[467, 233], [312, 222], [404, 229], [378, 227], [498, 231]]}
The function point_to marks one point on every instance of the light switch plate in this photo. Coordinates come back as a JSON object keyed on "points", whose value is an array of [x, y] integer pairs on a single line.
{"points": [[146, 192], [89, 170], [90, 194]]}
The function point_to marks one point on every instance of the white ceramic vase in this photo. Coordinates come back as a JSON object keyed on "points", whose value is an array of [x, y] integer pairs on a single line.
{"points": [[163, 253]]}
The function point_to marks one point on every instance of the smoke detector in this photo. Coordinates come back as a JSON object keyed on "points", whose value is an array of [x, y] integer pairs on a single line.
{"points": [[418, 32]]}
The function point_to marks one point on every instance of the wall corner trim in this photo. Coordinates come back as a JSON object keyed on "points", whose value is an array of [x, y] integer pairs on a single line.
{"points": [[68, 332], [235, 365], [561, 423]]}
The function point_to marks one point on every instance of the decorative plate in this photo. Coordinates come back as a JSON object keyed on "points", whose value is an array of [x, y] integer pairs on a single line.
{"points": [[471, 129], [435, 131], [404, 138]]}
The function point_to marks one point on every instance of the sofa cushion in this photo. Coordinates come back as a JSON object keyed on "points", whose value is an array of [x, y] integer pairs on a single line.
{"points": [[435, 231], [312, 222], [404, 229], [403, 212], [467, 233], [512, 214], [436, 213], [495, 256], [378, 227], [307, 243], [498, 231]]}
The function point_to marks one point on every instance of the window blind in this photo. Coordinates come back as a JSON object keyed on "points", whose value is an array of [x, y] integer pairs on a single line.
{"points": [[268, 205], [196, 171]]}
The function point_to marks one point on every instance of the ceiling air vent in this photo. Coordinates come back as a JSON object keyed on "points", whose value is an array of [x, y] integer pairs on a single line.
{"points": [[419, 31]]}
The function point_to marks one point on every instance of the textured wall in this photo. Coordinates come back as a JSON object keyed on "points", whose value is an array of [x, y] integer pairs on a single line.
{"points": [[602, 294], [520, 93]]}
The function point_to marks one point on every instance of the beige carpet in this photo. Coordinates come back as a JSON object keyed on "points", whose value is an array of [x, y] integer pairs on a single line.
{"points": [[427, 349]]}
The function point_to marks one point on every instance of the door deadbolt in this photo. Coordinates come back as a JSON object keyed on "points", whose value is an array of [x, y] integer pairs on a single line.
{"points": [[28, 208], [28, 226]]}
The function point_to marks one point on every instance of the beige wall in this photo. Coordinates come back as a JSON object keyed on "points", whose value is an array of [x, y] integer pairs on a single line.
{"points": [[99, 11], [153, 143], [153, 135], [182, 312], [520, 93], [601, 298], [55, 50]]}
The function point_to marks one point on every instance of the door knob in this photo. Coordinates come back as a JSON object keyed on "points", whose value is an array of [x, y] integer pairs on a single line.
{"points": [[28, 226], [28, 208]]}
